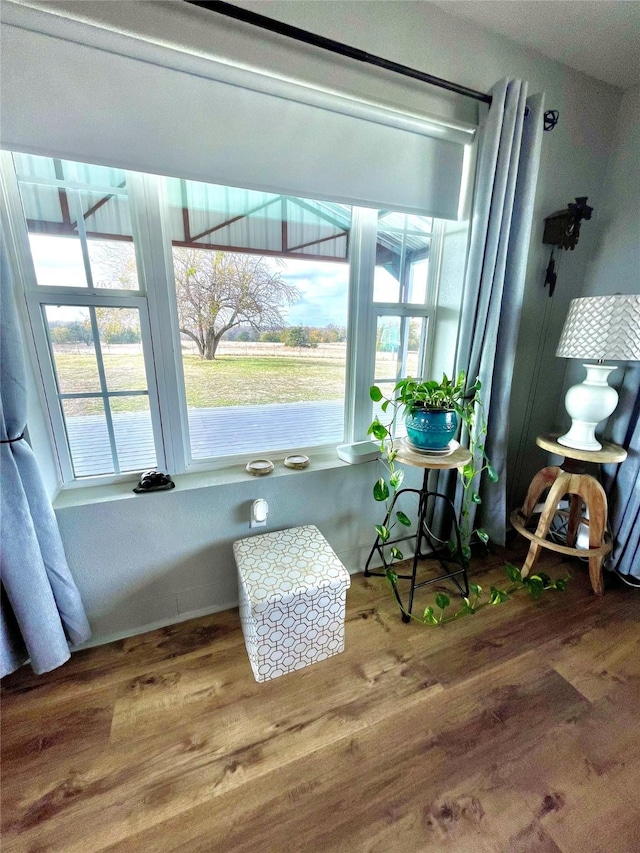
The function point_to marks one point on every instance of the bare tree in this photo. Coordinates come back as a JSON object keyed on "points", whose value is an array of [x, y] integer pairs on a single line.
{"points": [[219, 290]]}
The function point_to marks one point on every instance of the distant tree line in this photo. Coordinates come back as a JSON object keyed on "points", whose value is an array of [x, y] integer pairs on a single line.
{"points": [[114, 331], [290, 336], [115, 325]]}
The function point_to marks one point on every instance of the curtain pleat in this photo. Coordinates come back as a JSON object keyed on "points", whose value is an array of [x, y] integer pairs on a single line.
{"points": [[41, 611], [506, 175]]}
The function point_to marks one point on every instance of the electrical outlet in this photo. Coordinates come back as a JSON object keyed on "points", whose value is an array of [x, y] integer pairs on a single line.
{"points": [[259, 513]]}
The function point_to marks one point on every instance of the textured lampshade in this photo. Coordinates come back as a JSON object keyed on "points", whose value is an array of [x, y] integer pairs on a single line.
{"points": [[597, 327], [602, 327]]}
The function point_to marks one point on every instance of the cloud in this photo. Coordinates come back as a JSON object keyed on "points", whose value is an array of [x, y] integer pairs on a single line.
{"points": [[323, 287]]}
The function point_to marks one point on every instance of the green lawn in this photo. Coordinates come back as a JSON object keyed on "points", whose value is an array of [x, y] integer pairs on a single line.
{"points": [[229, 380]]}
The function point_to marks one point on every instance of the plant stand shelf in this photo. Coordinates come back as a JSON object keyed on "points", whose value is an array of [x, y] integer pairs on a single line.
{"points": [[423, 534]]}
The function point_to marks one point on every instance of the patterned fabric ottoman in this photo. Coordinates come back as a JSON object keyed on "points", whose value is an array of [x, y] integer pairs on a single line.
{"points": [[292, 599]]}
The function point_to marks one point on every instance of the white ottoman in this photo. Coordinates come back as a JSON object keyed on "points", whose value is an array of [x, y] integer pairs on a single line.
{"points": [[292, 599]]}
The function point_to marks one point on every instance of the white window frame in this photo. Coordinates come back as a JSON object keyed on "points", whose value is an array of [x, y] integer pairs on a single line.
{"points": [[37, 303], [156, 302], [38, 296]]}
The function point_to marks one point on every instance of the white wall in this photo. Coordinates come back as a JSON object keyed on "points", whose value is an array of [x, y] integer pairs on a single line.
{"points": [[155, 558], [614, 265]]}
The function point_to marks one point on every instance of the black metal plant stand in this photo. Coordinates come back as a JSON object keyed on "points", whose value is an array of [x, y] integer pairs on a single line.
{"points": [[424, 535]]}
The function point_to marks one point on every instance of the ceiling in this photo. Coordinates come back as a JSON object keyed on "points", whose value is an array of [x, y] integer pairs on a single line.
{"points": [[598, 37]]}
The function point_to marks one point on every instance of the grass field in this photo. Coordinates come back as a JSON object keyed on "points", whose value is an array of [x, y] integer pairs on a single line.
{"points": [[229, 380]]}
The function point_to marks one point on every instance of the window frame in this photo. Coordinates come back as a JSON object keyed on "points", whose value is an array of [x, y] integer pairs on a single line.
{"points": [[37, 304], [161, 343]]}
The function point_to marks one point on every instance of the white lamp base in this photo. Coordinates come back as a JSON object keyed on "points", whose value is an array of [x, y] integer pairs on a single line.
{"points": [[588, 404]]}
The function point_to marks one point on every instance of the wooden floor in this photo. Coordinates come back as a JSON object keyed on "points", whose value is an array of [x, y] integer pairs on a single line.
{"points": [[517, 729]]}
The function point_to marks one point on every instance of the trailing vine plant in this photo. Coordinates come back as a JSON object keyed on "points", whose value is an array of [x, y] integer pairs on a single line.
{"points": [[535, 585], [408, 395]]}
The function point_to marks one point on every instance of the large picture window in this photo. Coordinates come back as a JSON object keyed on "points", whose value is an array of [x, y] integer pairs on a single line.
{"points": [[261, 285], [179, 323]]}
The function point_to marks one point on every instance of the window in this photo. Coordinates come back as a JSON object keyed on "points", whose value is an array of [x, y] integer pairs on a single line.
{"points": [[261, 285], [180, 324], [403, 298]]}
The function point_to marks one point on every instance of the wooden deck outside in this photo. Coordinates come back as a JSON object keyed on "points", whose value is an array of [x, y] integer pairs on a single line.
{"points": [[214, 432]]}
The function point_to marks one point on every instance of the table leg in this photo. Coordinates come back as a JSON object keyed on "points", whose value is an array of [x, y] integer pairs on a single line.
{"points": [[575, 516], [556, 492], [543, 480], [422, 533], [595, 499]]}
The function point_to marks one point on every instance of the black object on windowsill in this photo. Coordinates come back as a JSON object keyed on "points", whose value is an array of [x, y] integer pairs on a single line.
{"points": [[154, 481]]}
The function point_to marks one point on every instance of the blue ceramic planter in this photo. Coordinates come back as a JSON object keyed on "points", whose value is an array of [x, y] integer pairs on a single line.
{"points": [[431, 429]]}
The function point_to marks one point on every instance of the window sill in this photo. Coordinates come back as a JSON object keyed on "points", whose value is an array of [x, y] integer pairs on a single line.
{"points": [[321, 460]]}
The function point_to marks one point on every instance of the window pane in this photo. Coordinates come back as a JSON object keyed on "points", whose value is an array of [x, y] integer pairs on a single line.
{"points": [[121, 345], [402, 254], [73, 351], [416, 333], [229, 218], [400, 343], [387, 348], [113, 264], [417, 280], [133, 433], [88, 437], [57, 261], [62, 218], [105, 215], [88, 434], [263, 335], [34, 166], [279, 385], [386, 279], [111, 387]]}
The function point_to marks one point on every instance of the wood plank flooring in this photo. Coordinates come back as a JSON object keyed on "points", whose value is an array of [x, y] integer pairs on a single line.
{"points": [[517, 729]]}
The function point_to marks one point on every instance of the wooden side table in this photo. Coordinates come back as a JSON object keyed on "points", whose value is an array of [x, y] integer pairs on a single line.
{"points": [[431, 463], [582, 488]]}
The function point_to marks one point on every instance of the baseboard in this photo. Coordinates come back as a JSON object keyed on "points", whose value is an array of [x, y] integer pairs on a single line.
{"points": [[153, 626]]}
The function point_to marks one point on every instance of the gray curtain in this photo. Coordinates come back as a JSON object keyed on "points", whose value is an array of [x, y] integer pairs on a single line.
{"points": [[506, 175], [622, 482], [41, 611]]}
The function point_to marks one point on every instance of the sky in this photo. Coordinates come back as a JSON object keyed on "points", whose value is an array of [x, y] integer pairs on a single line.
{"points": [[323, 287]]}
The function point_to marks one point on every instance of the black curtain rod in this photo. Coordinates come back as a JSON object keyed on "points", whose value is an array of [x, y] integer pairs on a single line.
{"points": [[296, 33]]}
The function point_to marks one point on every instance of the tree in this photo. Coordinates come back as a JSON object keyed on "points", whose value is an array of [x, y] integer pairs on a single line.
{"points": [[113, 263], [71, 332], [118, 325], [298, 336], [272, 336], [220, 290], [335, 334]]}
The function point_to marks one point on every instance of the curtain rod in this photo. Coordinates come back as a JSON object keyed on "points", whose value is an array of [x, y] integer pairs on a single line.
{"points": [[256, 20]]}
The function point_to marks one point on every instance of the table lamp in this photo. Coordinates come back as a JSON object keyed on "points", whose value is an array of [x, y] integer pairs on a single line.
{"points": [[597, 327]]}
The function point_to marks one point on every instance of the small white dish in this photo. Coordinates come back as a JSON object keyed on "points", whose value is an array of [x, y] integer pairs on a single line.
{"points": [[297, 461], [259, 467]]}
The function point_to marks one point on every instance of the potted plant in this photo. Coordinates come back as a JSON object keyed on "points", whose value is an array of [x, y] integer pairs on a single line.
{"points": [[433, 411]]}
